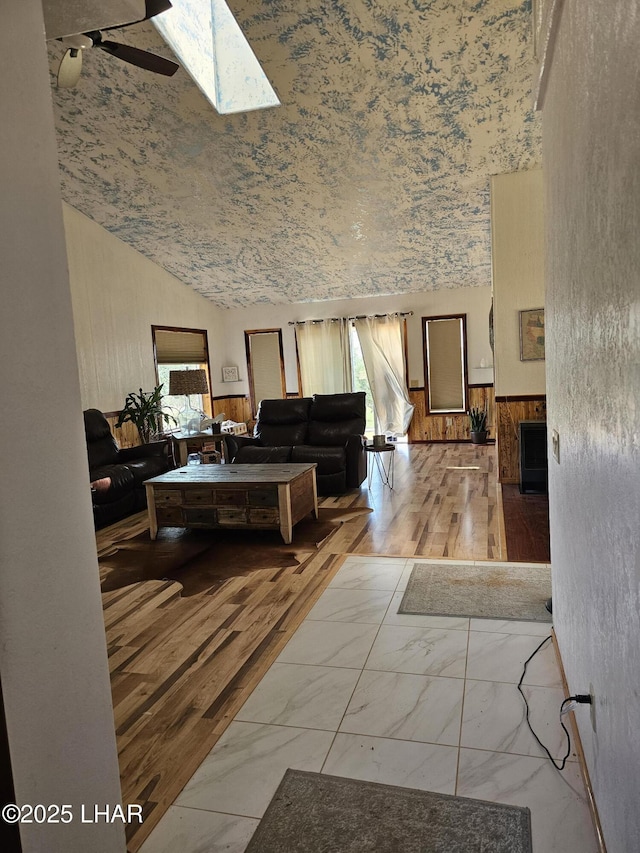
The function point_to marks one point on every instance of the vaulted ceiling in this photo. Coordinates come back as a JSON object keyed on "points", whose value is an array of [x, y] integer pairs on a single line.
{"points": [[372, 177]]}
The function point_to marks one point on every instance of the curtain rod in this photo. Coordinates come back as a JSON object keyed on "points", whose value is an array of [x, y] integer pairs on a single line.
{"points": [[390, 314], [357, 317], [326, 320]]}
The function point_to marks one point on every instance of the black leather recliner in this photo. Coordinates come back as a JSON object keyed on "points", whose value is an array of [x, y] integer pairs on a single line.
{"points": [[326, 429], [127, 470]]}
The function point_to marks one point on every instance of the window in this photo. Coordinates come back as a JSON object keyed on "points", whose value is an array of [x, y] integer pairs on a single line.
{"points": [[212, 48], [181, 349], [445, 354], [324, 360], [363, 353], [382, 340], [360, 380], [265, 365]]}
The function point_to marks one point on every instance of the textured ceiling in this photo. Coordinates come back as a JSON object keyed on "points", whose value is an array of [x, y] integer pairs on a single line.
{"points": [[371, 178]]}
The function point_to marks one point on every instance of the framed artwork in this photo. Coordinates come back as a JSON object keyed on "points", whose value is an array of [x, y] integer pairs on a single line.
{"points": [[532, 334], [230, 374]]}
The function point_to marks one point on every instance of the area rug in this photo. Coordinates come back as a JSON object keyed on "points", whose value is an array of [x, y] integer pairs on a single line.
{"points": [[201, 560], [484, 591], [314, 813]]}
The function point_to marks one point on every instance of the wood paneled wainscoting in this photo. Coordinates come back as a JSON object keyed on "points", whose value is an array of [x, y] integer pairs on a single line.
{"points": [[236, 408], [509, 412], [126, 435], [452, 427]]}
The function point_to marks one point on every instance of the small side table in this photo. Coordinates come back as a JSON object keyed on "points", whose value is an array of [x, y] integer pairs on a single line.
{"points": [[186, 444], [384, 470]]}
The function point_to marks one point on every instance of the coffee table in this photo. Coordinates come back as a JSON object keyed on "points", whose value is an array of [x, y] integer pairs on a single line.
{"points": [[271, 497]]}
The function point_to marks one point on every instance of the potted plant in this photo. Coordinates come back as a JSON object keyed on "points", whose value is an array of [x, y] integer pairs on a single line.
{"points": [[478, 422], [144, 409]]}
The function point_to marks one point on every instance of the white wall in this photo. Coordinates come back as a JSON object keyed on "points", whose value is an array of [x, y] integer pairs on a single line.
{"points": [[517, 246], [118, 294], [591, 161], [55, 678], [474, 301]]}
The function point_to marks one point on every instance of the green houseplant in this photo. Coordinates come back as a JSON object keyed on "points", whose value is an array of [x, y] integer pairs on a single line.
{"points": [[144, 409], [478, 423]]}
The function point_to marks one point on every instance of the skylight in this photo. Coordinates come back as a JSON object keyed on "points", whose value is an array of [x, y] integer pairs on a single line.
{"points": [[210, 44]]}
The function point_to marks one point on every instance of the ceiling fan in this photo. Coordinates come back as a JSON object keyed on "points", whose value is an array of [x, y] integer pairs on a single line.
{"points": [[71, 64]]}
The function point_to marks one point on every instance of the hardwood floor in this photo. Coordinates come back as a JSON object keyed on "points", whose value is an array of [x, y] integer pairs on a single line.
{"points": [[182, 666], [445, 504], [526, 520]]}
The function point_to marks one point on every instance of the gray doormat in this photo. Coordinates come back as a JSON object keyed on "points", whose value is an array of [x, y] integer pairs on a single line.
{"points": [[314, 813], [486, 591]]}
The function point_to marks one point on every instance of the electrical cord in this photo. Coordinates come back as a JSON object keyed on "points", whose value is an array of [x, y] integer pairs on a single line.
{"points": [[571, 702]]}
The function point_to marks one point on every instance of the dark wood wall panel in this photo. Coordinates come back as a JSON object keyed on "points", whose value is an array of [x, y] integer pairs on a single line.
{"points": [[126, 435], [449, 427], [509, 412], [237, 408]]}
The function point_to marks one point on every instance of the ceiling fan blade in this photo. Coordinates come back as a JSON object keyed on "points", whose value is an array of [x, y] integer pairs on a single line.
{"points": [[141, 58], [70, 69]]}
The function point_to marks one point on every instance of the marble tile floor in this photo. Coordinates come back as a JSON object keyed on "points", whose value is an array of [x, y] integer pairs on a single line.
{"points": [[422, 701]]}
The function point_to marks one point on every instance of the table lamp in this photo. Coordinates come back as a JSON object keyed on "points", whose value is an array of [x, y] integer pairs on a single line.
{"points": [[187, 382]]}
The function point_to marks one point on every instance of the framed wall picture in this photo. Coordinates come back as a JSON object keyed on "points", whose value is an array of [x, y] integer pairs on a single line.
{"points": [[230, 374], [532, 334]]}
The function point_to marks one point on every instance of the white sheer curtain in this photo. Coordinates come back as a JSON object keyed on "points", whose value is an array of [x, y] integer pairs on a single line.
{"points": [[325, 361], [382, 347]]}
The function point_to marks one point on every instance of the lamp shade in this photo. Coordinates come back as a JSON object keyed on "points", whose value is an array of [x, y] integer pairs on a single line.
{"points": [[188, 382]]}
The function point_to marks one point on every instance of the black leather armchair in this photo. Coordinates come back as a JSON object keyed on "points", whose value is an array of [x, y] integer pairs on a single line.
{"points": [[125, 470], [326, 429]]}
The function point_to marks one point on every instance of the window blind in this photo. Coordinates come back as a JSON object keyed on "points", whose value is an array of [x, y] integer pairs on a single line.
{"points": [[180, 347], [446, 376], [266, 366]]}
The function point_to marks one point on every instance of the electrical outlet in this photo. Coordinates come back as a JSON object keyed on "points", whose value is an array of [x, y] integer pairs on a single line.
{"points": [[414, 383], [555, 445], [592, 707]]}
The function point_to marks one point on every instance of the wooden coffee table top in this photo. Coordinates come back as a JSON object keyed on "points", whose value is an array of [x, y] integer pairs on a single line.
{"points": [[230, 474]]}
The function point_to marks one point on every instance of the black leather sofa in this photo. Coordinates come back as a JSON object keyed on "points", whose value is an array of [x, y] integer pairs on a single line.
{"points": [[326, 429], [127, 470]]}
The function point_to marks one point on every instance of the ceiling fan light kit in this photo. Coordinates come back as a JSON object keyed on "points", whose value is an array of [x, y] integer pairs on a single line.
{"points": [[70, 69]]}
